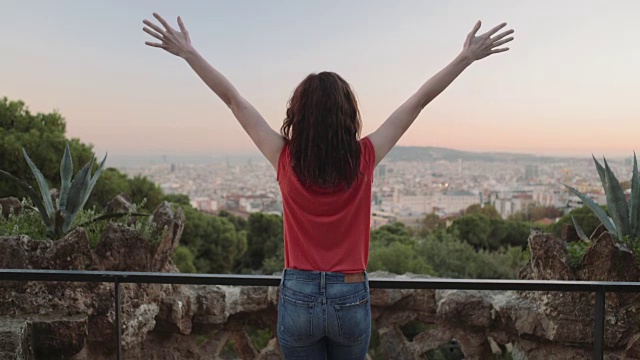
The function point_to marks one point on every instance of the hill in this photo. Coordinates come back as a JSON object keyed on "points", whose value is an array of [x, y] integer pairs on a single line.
{"points": [[430, 154]]}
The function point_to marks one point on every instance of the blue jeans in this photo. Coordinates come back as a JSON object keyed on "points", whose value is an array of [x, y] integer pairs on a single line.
{"points": [[322, 317]]}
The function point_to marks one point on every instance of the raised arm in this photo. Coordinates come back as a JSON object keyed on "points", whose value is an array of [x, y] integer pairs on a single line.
{"points": [[178, 43], [475, 48]]}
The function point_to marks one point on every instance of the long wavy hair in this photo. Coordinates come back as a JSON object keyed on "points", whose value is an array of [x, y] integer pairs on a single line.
{"points": [[322, 128]]}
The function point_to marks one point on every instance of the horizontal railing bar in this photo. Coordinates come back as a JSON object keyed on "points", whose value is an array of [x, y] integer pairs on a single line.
{"points": [[138, 277], [273, 280]]}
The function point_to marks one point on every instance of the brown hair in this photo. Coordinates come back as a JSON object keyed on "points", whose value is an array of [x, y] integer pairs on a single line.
{"points": [[322, 128]]}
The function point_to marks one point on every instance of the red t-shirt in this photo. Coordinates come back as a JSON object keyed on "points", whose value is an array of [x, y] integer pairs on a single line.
{"points": [[327, 230]]}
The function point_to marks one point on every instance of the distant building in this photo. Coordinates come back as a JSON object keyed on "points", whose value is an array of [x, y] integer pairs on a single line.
{"points": [[253, 203], [449, 202], [548, 197], [511, 203], [531, 172], [455, 201], [380, 218], [376, 198], [408, 218], [416, 203], [380, 171], [171, 187], [574, 202], [204, 204]]}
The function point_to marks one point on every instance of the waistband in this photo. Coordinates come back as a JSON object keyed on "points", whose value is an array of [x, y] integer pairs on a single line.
{"points": [[329, 277]]}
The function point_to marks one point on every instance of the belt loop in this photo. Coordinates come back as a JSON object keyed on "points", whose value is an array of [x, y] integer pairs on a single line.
{"points": [[322, 281]]}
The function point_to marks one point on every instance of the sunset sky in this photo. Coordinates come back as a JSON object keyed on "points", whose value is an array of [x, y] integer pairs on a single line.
{"points": [[569, 85]]}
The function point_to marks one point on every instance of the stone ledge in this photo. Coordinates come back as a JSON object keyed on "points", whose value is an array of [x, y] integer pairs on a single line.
{"points": [[15, 339]]}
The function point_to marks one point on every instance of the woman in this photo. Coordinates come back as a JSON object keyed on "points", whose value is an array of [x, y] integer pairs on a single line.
{"points": [[325, 173]]}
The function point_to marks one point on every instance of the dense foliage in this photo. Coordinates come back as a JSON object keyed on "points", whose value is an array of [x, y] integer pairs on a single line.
{"points": [[43, 137], [441, 253], [583, 215], [484, 229]]}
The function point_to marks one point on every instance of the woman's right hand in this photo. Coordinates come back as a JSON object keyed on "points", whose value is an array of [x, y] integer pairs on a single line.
{"points": [[481, 46], [175, 42]]}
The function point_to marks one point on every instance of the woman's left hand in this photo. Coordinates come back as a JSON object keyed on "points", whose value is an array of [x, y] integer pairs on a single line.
{"points": [[478, 47], [176, 42]]}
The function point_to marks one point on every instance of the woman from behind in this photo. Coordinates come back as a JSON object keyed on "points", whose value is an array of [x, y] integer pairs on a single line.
{"points": [[325, 173]]}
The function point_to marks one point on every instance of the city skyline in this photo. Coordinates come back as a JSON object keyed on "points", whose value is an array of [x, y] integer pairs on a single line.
{"points": [[565, 87]]}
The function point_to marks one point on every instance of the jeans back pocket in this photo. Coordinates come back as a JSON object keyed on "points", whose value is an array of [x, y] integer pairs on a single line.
{"points": [[354, 318], [295, 319]]}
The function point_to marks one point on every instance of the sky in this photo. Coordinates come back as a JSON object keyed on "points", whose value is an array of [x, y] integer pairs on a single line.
{"points": [[568, 86]]}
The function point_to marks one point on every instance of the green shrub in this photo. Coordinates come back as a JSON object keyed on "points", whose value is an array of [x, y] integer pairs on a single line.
{"points": [[398, 258], [576, 251], [183, 259], [30, 223], [27, 222], [60, 216], [453, 258]]}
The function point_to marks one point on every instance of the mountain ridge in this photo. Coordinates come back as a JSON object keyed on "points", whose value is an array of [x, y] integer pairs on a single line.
{"points": [[398, 153], [434, 153]]}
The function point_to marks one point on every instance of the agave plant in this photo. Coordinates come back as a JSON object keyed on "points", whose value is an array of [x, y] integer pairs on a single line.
{"points": [[624, 222], [59, 217]]}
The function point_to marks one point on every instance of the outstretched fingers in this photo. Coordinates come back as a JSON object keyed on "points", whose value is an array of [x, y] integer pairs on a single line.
{"points": [[183, 29], [501, 42], [153, 33], [502, 35], [495, 29], [162, 21], [153, 26], [499, 50], [173, 41], [475, 29], [149, 43]]}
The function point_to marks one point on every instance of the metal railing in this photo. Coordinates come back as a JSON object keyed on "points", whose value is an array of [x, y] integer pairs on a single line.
{"points": [[117, 278]]}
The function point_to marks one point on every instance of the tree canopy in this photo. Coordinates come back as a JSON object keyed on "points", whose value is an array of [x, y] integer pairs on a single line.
{"points": [[42, 135], [43, 138]]}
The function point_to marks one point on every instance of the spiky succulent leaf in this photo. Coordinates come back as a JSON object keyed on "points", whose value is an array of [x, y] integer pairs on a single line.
{"points": [[42, 185], [617, 203], [579, 230], [593, 206], [76, 194], [66, 172], [601, 172], [634, 199], [86, 191], [37, 200], [92, 182]]}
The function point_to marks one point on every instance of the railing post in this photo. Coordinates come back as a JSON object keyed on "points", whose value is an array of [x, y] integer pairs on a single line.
{"points": [[118, 322], [598, 330]]}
